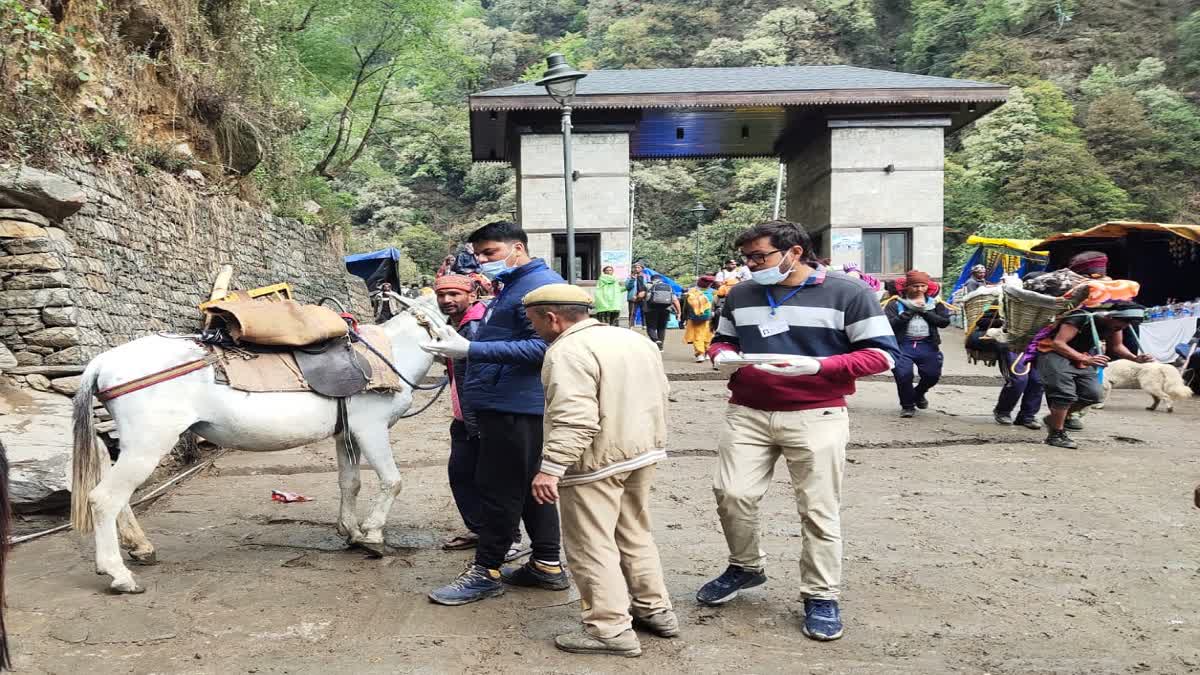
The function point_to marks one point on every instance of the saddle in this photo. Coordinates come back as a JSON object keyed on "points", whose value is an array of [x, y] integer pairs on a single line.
{"points": [[333, 368], [336, 367], [285, 323]]}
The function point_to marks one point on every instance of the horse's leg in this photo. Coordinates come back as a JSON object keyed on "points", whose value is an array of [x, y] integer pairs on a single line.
{"points": [[141, 451], [134, 540], [350, 484], [374, 445]]}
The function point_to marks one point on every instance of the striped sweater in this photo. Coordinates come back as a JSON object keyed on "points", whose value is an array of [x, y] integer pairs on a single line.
{"points": [[831, 317]]}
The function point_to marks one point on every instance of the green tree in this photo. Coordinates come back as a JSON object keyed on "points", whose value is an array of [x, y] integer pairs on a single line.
{"points": [[659, 36], [1130, 148], [998, 59], [1058, 185], [424, 246], [998, 142], [1188, 32]]}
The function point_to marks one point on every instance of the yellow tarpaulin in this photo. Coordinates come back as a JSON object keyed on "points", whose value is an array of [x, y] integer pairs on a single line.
{"points": [[1025, 245]]}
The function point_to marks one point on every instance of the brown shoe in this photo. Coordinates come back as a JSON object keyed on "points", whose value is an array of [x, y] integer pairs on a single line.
{"points": [[625, 644], [663, 624]]}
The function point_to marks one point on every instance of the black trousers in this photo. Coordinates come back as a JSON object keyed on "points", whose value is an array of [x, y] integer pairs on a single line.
{"points": [[464, 456], [510, 454], [656, 323]]}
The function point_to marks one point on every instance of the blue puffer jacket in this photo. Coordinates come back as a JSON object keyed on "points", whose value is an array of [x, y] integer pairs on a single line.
{"points": [[504, 366]]}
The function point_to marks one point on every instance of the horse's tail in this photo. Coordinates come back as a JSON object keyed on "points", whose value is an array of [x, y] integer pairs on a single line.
{"points": [[87, 463], [5, 531]]}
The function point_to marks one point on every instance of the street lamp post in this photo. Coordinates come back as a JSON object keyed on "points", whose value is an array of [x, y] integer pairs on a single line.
{"points": [[699, 212], [560, 82]]}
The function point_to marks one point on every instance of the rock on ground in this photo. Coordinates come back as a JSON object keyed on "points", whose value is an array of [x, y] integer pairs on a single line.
{"points": [[36, 428]]}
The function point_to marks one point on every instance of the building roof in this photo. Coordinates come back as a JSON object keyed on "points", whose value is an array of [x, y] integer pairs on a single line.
{"points": [[777, 85], [673, 113]]}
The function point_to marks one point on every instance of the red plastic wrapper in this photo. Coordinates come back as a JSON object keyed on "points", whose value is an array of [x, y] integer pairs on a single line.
{"points": [[288, 497]]}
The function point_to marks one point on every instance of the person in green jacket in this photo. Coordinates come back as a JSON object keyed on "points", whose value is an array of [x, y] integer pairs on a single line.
{"points": [[608, 297]]}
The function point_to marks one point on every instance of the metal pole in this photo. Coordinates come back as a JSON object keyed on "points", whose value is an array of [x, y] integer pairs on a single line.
{"points": [[632, 195], [778, 190], [567, 180], [697, 237]]}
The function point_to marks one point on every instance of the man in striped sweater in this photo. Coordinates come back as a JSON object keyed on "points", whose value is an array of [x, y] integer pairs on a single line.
{"points": [[828, 330]]}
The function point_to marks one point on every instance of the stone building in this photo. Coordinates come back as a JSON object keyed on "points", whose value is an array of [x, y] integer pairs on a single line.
{"points": [[863, 151]]}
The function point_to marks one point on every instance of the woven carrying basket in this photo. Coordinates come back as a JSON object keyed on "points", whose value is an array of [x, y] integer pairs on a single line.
{"points": [[1025, 313], [973, 310]]}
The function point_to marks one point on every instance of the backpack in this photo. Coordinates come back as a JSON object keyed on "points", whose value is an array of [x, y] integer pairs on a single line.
{"points": [[660, 295], [702, 309]]}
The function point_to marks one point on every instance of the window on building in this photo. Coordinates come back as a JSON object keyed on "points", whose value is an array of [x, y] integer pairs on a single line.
{"points": [[887, 252], [587, 255]]}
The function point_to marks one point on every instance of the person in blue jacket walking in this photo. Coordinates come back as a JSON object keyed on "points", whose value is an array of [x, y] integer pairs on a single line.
{"points": [[503, 386]]}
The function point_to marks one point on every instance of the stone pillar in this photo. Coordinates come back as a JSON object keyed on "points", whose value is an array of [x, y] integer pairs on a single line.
{"points": [[601, 191], [865, 175]]}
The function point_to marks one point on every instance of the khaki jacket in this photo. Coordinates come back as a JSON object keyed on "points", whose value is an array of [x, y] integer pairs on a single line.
{"points": [[606, 403]]}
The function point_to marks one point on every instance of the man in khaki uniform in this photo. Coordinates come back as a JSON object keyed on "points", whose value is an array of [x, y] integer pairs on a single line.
{"points": [[605, 429]]}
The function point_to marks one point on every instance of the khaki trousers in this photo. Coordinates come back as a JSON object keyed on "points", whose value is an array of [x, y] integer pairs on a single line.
{"points": [[813, 442], [610, 551]]}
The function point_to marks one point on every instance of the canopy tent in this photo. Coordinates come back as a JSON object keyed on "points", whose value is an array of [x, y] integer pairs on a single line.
{"points": [[1164, 259], [375, 267], [1000, 257]]}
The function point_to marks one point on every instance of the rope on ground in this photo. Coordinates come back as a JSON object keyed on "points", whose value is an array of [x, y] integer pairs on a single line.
{"points": [[147, 497]]}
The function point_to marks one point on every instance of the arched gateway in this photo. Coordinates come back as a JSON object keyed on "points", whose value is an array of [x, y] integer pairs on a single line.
{"points": [[863, 149]]}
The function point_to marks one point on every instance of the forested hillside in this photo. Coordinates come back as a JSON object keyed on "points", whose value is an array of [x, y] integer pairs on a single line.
{"points": [[358, 106]]}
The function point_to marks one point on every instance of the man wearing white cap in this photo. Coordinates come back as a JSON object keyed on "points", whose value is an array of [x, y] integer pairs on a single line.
{"points": [[598, 461]]}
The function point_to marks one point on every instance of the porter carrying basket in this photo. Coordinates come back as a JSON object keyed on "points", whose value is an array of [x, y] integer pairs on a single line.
{"points": [[1026, 312], [973, 310]]}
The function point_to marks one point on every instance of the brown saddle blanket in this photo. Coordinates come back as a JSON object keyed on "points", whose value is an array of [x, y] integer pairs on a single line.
{"points": [[262, 371], [285, 323]]}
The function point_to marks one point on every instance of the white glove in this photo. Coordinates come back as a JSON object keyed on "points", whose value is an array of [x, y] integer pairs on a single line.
{"points": [[449, 344], [793, 367]]}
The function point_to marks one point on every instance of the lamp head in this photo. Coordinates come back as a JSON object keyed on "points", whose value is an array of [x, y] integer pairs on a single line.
{"points": [[560, 79]]}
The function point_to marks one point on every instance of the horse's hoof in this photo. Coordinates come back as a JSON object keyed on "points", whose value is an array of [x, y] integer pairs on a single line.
{"points": [[144, 559], [130, 588], [373, 550]]}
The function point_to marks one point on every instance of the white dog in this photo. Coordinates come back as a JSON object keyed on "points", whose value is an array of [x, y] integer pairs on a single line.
{"points": [[1162, 381]]}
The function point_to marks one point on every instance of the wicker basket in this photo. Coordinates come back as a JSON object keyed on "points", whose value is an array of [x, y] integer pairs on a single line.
{"points": [[974, 309], [1025, 313]]}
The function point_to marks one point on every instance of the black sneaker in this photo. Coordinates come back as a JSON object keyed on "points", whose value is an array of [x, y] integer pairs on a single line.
{"points": [[534, 573], [908, 412], [1030, 423], [1060, 439], [725, 587], [1003, 418], [922, 402]]}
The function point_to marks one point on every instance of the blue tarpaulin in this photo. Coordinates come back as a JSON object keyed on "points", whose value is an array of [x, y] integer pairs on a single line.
{"points": [[375, 267]]}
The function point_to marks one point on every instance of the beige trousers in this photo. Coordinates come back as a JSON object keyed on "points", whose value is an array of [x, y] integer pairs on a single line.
{"points": [[813, 442], [610, 551]]}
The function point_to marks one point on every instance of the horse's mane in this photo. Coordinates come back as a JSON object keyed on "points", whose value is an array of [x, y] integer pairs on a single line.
{"points": [[5, 530]]}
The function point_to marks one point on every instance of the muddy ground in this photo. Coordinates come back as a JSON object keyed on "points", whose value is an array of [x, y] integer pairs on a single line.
{"points": [[969, 548]]}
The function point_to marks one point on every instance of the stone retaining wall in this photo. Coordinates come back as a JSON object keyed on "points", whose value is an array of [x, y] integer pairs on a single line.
{"points": [[137, 256]]}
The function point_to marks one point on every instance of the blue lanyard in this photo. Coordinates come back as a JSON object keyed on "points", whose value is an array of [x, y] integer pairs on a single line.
{"points": [[775, 305]]}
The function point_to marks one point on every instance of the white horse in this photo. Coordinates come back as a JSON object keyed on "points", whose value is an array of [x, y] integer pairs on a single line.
{"points": [[149, 422]]}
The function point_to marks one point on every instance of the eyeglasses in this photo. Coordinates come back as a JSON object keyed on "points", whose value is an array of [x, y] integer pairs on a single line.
{"points": [[758, 258]]}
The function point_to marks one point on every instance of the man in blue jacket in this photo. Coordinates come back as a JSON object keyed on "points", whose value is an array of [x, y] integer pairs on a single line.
{"points": [[504, 388]]}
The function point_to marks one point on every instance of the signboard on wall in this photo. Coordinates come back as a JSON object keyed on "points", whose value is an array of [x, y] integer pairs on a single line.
{"points": [[619, 260]]}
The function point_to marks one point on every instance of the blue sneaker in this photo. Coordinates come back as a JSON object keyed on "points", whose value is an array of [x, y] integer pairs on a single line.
{"points": [[474, 584], [725, 587], [822, 619]]}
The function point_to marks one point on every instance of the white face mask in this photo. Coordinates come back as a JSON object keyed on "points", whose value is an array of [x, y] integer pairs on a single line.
{"points": [[493, 268], [771, 275]]}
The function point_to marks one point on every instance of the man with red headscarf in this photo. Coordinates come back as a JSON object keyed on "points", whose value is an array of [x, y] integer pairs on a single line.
{"points": [[1091, 264], [916, 315]]}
